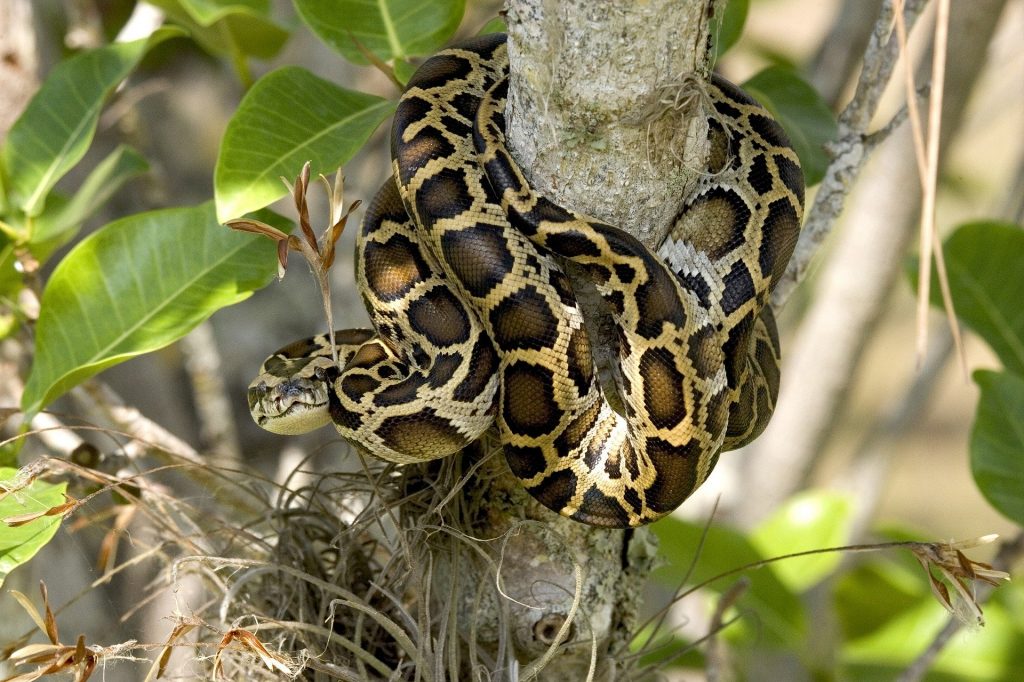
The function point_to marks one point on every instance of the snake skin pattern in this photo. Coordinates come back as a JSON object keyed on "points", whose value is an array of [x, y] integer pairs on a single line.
{"points": [[475, 324]]}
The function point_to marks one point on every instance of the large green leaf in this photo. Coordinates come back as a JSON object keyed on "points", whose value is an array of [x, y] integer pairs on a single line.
{"points": [[20, 543], [997, 442], [55, 130], [779, 615], [799, 108], [985, 262], [289, 117], [208, 12], [234, 27], [61, 220], [874, 591], [994, 653], [391, 29], [730, 25], [815, 519], [135, 286]]}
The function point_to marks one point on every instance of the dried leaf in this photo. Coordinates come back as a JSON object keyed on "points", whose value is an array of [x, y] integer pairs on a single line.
{"points": [[57, 510], [49, 620], [33, 613], [36, 653], [282, 258], [85, 659], [249, 641], [257, 227], [336, 231], [301, 205], [108, 547], [271, 660]]}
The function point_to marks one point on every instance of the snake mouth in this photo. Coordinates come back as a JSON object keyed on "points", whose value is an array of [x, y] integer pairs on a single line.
{"points": [[289, 408]]}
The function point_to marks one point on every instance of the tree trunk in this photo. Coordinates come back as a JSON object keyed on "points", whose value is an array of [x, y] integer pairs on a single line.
{"points": [[597, 118]]}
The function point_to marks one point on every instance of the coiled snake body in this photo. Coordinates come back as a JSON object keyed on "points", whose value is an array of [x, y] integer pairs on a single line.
{"points": [[475, 324]]}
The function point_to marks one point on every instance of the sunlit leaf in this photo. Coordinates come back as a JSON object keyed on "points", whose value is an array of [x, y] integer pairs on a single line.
{"points": [[876, 591], [495, 25], [811, 520], [21, 543], [135, 286], [62, 220], [779, 615], [55, 130], [802, 112], [234, 27], [997, 442], [289, 117], [993, 654], [391, 29]]}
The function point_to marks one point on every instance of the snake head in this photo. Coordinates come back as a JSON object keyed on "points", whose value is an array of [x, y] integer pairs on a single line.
{"points": [[291, 395]]}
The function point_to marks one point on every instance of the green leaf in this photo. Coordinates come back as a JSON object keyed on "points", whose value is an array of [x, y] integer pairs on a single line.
{"points": [[495, 25], [55, 130], [134, 286], [57, 224], [779, 615], [811, 520], [990, 654], [986, 279], [404, 70], [21, 543], [208, 12], [289, 117], [391, 29], [730, 26], [997, 442], [799, 108], [10, 278], [232, 27], [874, 592]]}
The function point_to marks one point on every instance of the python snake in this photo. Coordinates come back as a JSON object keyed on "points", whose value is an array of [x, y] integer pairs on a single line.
{"points": [[475, 324]]}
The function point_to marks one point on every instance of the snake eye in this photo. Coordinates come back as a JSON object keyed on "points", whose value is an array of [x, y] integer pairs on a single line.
{"points": [[261, 388], [320, 373]]}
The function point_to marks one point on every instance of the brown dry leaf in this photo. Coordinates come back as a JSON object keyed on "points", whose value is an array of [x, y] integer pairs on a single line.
{"points": [[68, 505], [955, 569], [335, 233], [84, 659], [55, 657], [257, 227], [159, 667], [30, 608], [108, 547], [248, 640], [48, 619], [301, 205]]}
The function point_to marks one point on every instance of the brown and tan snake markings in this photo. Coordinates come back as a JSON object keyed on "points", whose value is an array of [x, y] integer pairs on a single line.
{"points": [[475, 325]]}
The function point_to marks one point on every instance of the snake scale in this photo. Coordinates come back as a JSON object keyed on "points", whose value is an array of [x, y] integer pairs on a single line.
{"points": [[475, 325]]}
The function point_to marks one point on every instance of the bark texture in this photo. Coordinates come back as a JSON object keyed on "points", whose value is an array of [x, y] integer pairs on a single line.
{"points": [[593, 113], [598, 120]]}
